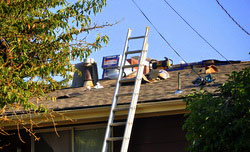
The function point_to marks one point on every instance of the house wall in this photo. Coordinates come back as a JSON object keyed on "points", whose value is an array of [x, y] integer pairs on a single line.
{"points": [[149, 134], [156, 134], [12, 142]]}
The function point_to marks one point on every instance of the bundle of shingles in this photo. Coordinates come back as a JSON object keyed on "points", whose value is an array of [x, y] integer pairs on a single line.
{"points": [[149, 74]]}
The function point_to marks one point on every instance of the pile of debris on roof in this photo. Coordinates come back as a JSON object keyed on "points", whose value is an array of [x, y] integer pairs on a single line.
{"points": [[154, 70]]}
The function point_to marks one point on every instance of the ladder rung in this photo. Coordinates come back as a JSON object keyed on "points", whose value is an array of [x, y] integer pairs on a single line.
{"points": [[114, 138], [117, 124], [126, 80], [138, 37], [124, 94], [121, 109], [130, 66], [133, 52], [112, 67]]}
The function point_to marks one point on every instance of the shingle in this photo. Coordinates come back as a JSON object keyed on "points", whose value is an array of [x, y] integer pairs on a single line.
{"points": [[159, 90]]}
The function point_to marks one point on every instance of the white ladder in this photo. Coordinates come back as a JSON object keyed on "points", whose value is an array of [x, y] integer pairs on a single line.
{"points": [[131, 110]]}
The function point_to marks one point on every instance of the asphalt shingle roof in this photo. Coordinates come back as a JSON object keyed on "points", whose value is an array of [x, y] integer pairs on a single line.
{"points": [[155, 91]]}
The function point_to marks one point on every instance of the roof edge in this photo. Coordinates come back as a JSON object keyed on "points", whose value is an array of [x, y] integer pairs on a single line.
{"points": [[100, 114]]}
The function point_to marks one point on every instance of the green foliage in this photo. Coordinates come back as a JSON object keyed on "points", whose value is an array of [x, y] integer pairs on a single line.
{"points": [[38, 38], [220, 123]]}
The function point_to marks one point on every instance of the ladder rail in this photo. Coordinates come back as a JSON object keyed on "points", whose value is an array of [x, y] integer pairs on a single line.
{"points": [[131, 115], [117, 90]]}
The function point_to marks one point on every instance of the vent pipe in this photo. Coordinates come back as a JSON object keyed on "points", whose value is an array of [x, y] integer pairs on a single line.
{"points": [[179, 84]]}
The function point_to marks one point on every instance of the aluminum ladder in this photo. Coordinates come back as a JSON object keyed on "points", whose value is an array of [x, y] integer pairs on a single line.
{"points": [[132, 108]]}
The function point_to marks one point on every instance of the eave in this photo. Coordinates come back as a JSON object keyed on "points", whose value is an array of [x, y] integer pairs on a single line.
{"points": [[98, 114]]}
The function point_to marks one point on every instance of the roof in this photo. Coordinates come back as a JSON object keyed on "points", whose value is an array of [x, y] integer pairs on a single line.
{"points": [[161, 90], [76, 105]]}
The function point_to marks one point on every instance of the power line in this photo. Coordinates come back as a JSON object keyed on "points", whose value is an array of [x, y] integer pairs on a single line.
{"points": [[163, 36], [232, 18], [158, 31], [197, 32]]}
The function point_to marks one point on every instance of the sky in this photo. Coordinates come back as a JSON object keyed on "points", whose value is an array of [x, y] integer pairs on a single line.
{"points": [[206, 16]]}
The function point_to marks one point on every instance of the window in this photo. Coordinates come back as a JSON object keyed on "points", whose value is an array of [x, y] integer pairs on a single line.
{"points": [[76, 139], [89, 140]]}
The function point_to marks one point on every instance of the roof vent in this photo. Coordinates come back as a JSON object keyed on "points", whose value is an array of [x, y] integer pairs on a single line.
{"points": [[88, 75]]}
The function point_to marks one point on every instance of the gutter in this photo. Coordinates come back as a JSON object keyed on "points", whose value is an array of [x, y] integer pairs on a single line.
{"points": [[94, 114]]}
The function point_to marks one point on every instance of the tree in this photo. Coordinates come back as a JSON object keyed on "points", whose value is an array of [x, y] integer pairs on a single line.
{"points": [[220, 122], [38, 38]]}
